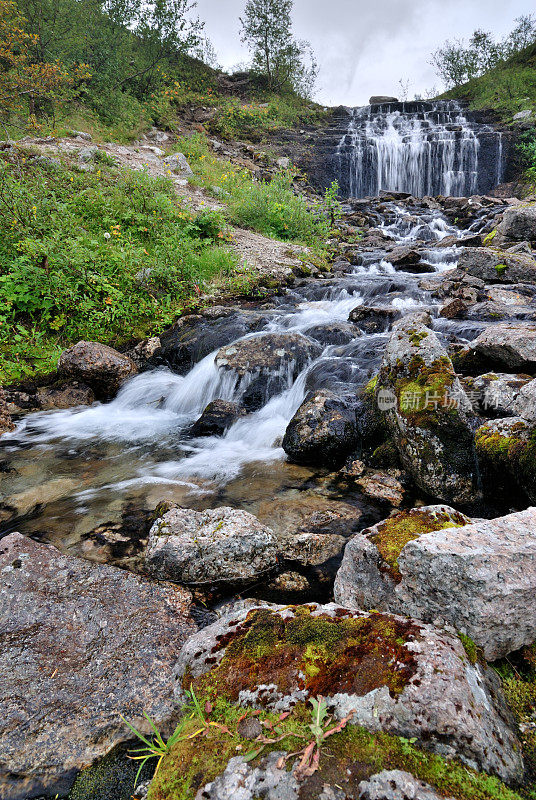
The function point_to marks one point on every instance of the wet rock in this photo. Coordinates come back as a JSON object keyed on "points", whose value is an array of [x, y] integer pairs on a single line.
{"points": [[373, 320], [454, 309], [34, 497], [267, 364], [369, 573], [218, 546], [383, 487], [396, 785], [397, 675], [524, 404], [519, 223], [193, 337], [428, 414], [507, 456], [497, 266], [404, 256], [289, 584], [380, 99], [323, 431], [511, 295], [82, 644], [510, 346], [481, 578], [145, 353], [492, 311], [5, 419], [494, 393], [217, 418], [58, 396], [334, 333], [313, 549], [97, 365]]}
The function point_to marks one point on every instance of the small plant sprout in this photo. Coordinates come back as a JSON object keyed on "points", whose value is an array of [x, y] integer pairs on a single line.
{"points": [[156, 747]]}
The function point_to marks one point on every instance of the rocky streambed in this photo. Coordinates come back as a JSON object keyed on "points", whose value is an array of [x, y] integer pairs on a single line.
{"points": [[365, 436]]}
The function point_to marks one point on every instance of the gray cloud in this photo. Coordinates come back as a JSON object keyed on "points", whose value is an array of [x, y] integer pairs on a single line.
{"points": [[365, 47]]}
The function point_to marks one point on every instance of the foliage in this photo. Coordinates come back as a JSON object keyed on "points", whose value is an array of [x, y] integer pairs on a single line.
{"points": [[104, 255], [457, 63], [24, 84], [347, 757], [283, 60]]}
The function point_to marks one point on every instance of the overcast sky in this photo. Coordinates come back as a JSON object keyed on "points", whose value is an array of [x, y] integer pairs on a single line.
{"points": [[365, 47]]}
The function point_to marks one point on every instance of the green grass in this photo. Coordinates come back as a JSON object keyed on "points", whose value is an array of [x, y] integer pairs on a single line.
{"points": [[508, 88], [104, 255]]}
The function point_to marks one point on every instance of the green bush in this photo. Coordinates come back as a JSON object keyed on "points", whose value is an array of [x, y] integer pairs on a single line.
{"points": [[106, 255]]}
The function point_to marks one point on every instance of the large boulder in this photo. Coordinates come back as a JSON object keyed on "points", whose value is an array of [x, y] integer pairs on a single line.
{"points": [[5, 419], [323, 431], [506, 346], [221, 546], [481, 578], [266, 364], [397, 675], [497, 266], [97, 365], [519, 223], [428, 414], [369, 573], [81, 645]]}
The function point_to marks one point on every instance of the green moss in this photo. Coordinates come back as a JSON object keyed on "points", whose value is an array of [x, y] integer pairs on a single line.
{"points": [[515, 453], [394, 534], [501, 269], [333, 654], [370, 388], [417, 338], [111, 778], [346, 758], [470, 647], [423, 391], [518, 674]]}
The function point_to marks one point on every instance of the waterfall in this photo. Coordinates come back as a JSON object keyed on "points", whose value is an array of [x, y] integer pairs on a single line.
{"points": [[420, 148]]}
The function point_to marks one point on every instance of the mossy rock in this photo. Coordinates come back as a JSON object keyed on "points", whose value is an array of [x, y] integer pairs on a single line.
{"points": [[506, 449]]}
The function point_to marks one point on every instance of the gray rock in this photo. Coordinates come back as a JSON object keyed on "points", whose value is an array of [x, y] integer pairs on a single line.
{"points": [[81, 135], [218, 546], [373, 320], [283, 163], [87, 154], [323, 431], [505, 450], [481, 578], [334, 333], [449, 705], [525, 402], [240, 781], [519, 223], [178, 163], [497, 266], [5, 419], [383, 487], [265, 365], [379, 99], [369, 573], [397, 785], [97, 365], [521, 116], [495, 393], [508, 345], [82, 643], [428, 414]]}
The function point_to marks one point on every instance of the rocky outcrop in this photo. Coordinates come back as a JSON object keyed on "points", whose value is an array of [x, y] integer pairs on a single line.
{"points": [[395, 784], [369, 573], [497, 266], [81, 644], [481, 578], [506, 346], [98, 366], [217, 417], [5, 419], [428, 414], [519, 223], [323, 431], [222, 546], [396, 675], [266, 364]]}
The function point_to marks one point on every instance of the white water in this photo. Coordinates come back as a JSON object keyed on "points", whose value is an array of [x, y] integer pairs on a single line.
{"points": [[419, 148]]}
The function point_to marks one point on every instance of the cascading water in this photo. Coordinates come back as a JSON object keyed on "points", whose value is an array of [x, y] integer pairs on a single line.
{"points": [[420, 148]]}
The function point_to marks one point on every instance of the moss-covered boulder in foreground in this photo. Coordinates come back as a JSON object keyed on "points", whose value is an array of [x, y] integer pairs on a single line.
{"points": [[394, 674], [369, 573]]}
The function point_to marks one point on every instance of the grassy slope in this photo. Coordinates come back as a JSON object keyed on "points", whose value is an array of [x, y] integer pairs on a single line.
{"points": [[507, 89]]}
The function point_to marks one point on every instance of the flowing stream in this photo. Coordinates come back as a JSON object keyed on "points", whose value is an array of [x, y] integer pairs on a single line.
{"points": [[67, 472]]}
